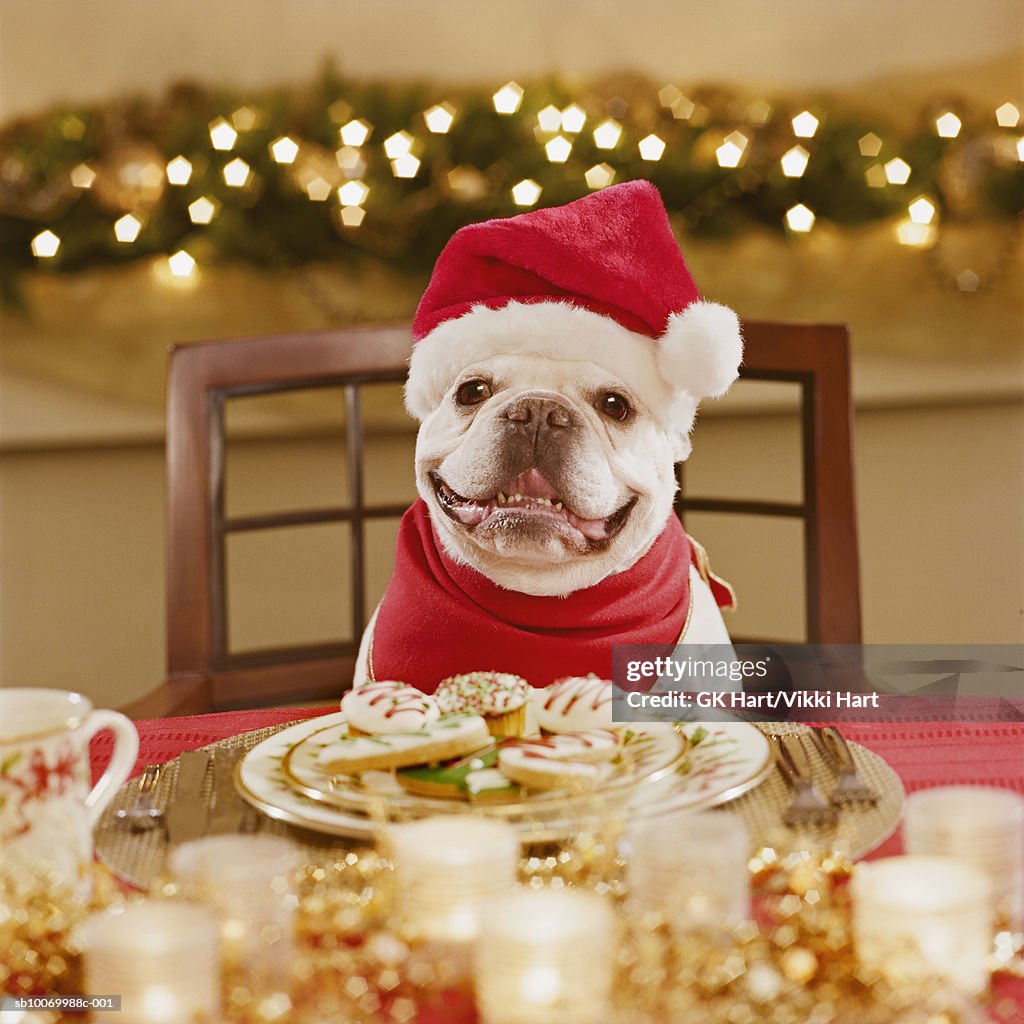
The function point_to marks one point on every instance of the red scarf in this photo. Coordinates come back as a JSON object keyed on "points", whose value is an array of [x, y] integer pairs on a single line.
{"points": [[439, 618]]}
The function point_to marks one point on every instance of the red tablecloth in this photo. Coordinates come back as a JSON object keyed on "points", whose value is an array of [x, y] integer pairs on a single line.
{"points": [[922, 753]]}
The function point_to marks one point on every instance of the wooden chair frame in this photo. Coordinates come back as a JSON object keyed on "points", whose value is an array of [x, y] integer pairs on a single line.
{"points": [[204, 674]]}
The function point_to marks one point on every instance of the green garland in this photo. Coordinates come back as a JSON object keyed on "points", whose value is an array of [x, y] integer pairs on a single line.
{"points": [[273, 223]]}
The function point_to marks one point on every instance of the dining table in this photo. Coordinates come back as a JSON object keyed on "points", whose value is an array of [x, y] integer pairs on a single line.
{"points": [[984, 749]]}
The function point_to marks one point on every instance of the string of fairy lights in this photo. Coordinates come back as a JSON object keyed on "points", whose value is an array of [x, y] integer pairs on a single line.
{"points": [[367, 170]]}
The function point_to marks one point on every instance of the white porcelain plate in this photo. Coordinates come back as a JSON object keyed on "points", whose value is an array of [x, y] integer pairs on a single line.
{"points": [[721, 761]]}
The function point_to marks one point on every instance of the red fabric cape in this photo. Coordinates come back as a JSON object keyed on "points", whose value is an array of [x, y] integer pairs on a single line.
{"points": [[439, 618]]}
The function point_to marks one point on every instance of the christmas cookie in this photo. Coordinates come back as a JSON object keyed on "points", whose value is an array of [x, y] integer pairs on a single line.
{"points": [[569, 760], [499, 696], [473, 777], [574, 704], [449, 736], [387, 707]]}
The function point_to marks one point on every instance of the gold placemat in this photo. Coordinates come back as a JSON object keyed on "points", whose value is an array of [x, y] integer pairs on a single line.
{"points": [[139, 857]]}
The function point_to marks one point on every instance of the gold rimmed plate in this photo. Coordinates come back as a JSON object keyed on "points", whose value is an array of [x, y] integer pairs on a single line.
{"points": [[647, 754], [696, 766]]}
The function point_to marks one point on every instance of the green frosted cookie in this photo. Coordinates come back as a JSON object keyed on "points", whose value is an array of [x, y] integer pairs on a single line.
{"points": [[474, 777]]}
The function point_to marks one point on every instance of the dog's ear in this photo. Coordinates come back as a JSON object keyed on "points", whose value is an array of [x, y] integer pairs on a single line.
{"points": [[415, 404], [425, 385], [682, 411]]}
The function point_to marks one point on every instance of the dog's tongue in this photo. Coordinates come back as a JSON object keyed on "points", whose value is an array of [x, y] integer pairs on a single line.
{"points": [[532, 484]]}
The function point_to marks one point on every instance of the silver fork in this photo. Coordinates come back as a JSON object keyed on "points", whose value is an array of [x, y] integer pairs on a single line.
{"points": [[808, 806], [142, 815], [850, 788]]}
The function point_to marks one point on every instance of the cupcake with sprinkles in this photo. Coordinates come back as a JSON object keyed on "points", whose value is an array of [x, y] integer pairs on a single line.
{"points": [[499, 697]]}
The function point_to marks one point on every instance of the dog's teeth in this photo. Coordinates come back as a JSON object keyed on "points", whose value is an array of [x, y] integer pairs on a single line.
{"points": [[519, 497], [501, 498], [558, 506]]}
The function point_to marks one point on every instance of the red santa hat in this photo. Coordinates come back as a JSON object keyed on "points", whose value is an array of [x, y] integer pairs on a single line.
{"points": [[599, 279]]}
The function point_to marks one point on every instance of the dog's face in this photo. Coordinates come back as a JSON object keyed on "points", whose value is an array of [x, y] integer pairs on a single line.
{"points": [[547, 474]]}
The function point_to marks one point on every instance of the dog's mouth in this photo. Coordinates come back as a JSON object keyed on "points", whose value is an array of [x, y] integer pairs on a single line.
{"points": [[529, 498]]}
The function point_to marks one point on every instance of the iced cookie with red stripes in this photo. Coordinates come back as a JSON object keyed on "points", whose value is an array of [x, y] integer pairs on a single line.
{"points": [[387, 707], [568, 760], [446, 737], [574, 704]]}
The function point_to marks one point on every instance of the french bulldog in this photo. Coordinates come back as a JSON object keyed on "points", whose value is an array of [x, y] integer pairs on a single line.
{"points": [[559, 361]]}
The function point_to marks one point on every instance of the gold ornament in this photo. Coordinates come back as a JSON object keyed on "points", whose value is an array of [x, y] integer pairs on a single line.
{"points": [[130, 178]]}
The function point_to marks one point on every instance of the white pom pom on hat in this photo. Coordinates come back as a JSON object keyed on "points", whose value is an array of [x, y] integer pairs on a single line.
{"points": [[701, 349]]}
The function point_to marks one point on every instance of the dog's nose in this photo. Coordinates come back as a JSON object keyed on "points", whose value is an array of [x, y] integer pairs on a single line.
{"points": [[546, 414]]}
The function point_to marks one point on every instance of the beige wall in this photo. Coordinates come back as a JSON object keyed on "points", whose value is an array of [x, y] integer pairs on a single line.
{"points": [[940, 492], [64, 49]]}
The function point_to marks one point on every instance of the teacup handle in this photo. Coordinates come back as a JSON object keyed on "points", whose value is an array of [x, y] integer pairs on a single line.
{"points": [[122, 761]]}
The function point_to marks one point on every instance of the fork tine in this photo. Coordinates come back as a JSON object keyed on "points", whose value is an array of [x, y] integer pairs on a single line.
{"points": [[850, 787], [807, 806]]}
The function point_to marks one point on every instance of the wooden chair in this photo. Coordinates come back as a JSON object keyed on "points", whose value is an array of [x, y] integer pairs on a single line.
{"points": [[203, 674]]}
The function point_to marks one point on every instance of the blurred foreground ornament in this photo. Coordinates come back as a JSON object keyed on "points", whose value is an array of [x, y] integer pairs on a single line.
{"points": [[917, 918], [160, 957], [546, 956]]}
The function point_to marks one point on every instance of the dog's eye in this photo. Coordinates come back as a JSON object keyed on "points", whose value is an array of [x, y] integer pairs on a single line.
{"points": [[473, 392], [614, 406]]}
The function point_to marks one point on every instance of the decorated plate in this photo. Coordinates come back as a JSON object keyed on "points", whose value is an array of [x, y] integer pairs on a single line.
{"points": [[714, 763], [648, 753]]}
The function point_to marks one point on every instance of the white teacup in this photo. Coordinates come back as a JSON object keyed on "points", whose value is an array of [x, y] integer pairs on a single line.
{"points": [[47, 809]]}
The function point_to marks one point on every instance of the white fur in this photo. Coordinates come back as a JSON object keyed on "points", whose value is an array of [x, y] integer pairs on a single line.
{"points": [[701, 349], [611, 466], [556, 330]]}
